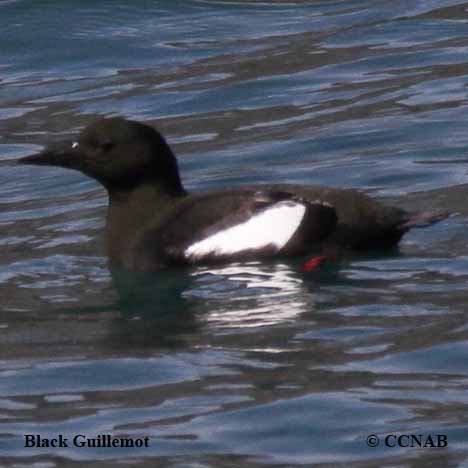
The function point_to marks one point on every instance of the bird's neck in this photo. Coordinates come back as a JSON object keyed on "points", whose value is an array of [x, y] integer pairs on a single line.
{"points": [[131, 213]]}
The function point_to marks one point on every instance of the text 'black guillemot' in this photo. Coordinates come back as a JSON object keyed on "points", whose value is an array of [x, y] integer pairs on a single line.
{"points": [[152, 222]]}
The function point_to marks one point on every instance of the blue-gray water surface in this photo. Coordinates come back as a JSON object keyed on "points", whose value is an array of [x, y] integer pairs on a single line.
{"points": [[253, 364]]}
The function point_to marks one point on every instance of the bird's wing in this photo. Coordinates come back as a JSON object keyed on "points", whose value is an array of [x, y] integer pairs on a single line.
{"points": [[234, 224]]}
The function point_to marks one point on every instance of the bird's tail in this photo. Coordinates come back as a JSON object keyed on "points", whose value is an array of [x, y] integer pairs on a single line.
{"points": [[423, 219]]}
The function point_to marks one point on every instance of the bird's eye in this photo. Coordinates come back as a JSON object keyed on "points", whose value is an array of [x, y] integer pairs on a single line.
{"points": [[75, 145]]}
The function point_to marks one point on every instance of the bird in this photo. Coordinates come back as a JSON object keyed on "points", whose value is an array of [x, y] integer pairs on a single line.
{"points": [[154, 223]]}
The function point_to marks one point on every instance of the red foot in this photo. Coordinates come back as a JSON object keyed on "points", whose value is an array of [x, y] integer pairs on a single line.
{"points": [[314, 262]]}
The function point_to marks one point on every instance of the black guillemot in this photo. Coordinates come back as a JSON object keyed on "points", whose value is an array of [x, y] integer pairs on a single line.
{"points": [[152, 222]]}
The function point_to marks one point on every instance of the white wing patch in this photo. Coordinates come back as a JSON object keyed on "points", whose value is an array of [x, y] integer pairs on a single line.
{"points": [[273, 226]]}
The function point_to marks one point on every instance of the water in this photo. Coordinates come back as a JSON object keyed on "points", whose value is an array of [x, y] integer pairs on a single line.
{"points": [[251, 364]]}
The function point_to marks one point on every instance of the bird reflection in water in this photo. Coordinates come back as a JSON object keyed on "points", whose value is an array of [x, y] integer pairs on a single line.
{"points": [[250, 294], [174, 304]]}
